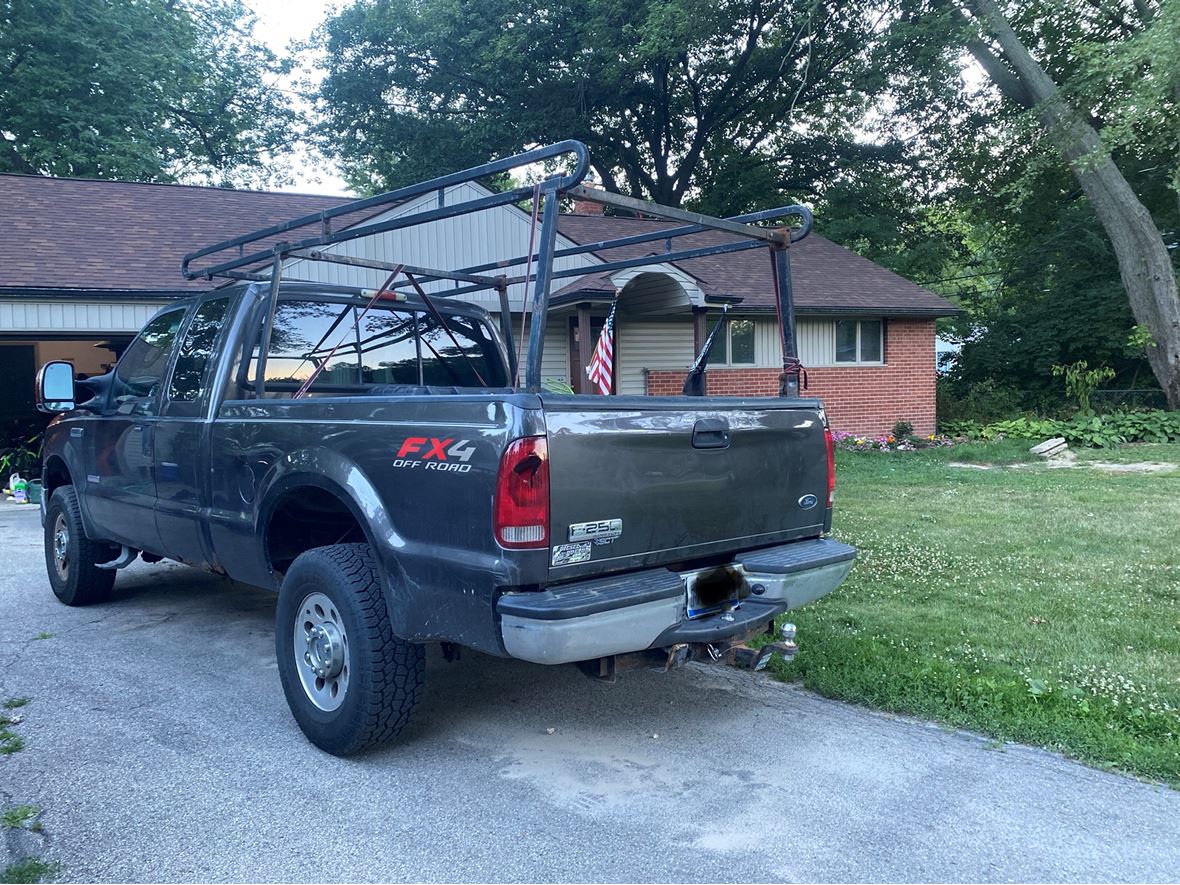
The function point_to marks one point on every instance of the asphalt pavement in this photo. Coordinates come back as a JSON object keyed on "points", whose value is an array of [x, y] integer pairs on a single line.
{"points": [[159, 746]]}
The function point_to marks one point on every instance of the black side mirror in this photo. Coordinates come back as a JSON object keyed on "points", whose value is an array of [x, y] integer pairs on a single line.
{"points": [[55, 387]]}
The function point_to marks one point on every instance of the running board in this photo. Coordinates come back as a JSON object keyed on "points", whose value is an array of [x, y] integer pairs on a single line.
{"points": [[125, 558]]}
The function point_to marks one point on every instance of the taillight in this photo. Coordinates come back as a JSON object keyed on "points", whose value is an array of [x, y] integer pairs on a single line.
{"points": [[831, 465], [521, 512]]}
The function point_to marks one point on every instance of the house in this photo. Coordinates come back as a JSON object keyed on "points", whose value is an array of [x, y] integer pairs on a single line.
{"points": [[83, 263]]}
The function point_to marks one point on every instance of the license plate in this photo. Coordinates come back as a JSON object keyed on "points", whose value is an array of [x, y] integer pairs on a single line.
{"points": [[712, 591]]}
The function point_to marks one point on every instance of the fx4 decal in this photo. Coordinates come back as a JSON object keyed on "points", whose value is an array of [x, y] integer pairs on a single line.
{"points": [[431, 453]]}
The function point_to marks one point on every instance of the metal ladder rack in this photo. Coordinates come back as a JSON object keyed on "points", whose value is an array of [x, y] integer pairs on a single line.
{"points": [[250, 255]]}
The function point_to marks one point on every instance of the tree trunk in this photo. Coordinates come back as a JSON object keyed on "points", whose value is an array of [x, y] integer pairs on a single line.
{"points": [[1144, 264]]}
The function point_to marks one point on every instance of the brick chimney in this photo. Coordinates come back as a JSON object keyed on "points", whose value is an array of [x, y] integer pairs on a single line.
{"points": [[588, 207]]}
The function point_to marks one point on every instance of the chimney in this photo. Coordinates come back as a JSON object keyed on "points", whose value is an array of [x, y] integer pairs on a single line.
{"points": [[588, 207]]}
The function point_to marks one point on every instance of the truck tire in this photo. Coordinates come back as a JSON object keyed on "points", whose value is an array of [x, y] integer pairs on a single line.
{"points": [[71, 558], [350, 683]]}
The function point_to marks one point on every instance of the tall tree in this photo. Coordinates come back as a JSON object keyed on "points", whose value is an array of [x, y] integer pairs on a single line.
{"points": [[677, 99], [1146, 269], [149, 90]]}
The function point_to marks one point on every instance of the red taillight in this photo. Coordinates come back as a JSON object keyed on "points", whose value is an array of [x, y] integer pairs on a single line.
{"points": [[521, 512], [831, 465]]}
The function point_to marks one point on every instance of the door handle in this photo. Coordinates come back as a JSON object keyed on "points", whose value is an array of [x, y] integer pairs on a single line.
{"points": [[710, 433]]}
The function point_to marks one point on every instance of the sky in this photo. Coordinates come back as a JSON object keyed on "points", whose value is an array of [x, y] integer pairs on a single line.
{"points": [[280, 22]]}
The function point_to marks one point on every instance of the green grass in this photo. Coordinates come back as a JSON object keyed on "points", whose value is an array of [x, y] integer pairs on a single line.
{"points": [[43, 635], [1029, 604], [30, 869], [14, 703], [18, 817], [1157, 452]]}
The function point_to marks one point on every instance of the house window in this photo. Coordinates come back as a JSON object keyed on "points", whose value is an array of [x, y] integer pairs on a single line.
{"points": [[859, 341], [735, 345]]}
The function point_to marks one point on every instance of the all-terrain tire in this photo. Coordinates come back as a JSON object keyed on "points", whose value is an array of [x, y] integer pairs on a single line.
{"points": [[71, 558], [382, 676]]}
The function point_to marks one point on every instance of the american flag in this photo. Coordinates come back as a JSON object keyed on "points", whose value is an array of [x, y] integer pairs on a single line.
{"points": [[600, 370]]}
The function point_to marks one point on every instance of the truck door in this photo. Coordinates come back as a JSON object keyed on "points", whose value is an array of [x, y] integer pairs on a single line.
{"points": [[181, 438], [121, 490]]}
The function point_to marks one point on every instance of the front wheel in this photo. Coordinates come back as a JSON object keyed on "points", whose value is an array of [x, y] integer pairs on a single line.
{"points": [[350, 683], [71, 558]]}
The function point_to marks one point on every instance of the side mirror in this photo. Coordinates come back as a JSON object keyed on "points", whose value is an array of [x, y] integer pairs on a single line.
{"points": [[55, 387]]}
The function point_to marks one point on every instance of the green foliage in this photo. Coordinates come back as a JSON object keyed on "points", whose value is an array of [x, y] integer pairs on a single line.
{"points": [[15, 703], [151, 90], [27, 870], [983, 401], [1081, 381], [731, 101], [902, 430], [1156, 426], [19, 816]]}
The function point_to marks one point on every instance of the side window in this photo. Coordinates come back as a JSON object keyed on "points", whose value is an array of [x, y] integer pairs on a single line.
{"points": [[141, 370], [189, 378]]}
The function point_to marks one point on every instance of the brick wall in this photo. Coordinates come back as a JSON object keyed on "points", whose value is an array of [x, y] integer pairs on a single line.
{"points": [[861, 399]]}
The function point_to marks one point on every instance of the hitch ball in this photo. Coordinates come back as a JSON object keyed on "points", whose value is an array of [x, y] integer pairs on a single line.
{"points": [[787, 632]]}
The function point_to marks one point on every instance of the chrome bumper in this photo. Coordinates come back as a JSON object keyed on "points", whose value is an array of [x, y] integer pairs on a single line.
{"points": [[642, 610]]}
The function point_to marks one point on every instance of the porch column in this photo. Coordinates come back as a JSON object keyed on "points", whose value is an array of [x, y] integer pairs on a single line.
{"points": [[581, 384]]}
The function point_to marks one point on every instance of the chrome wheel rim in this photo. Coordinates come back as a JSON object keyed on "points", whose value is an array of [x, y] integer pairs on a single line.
{"points": [[321, 652], [61, 547]]}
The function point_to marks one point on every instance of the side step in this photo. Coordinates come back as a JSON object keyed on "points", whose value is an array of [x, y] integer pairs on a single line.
{"points": [[125, 558]]}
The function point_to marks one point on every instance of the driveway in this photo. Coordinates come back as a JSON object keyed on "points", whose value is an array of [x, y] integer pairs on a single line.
{"points": [[159, 745]]}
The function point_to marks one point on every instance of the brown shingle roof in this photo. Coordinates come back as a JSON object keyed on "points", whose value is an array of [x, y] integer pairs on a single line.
{"points": [[826, 277], [85, 234]]}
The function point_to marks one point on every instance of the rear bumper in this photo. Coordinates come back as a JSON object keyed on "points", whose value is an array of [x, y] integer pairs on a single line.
{"points": [[641, 610]]}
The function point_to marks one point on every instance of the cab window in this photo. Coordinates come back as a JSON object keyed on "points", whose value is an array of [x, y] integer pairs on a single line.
{"points": [[143, 366], [190, 377]]}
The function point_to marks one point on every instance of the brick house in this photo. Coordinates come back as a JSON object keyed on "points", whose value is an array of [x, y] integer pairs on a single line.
{"points": [[84, 263]]}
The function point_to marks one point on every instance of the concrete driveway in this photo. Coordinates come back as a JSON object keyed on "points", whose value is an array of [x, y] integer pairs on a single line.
{"points": [[160, 747]]}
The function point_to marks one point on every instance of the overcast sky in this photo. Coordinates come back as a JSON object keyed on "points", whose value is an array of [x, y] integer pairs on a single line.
{"points": [[280, 22]]}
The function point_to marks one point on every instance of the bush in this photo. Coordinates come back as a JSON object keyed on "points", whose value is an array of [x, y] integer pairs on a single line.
{"points": [[1156, 426], [982, 401], [903, 430]]}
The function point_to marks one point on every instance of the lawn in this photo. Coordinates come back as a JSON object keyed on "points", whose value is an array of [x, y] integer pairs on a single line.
{"points": [[1029, 604]]}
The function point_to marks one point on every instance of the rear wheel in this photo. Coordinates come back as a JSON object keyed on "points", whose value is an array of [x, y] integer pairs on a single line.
{"points": [[71, 558], [350, 683]]}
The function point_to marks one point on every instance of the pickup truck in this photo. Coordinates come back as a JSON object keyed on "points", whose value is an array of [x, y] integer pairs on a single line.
{"points": [[398, 488]]}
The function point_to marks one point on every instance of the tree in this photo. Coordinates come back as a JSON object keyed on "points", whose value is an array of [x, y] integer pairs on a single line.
{"points": [[147, 90], [679, 100], [1146, 269]]}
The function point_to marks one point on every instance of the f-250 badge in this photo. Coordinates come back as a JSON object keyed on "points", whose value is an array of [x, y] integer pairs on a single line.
{"points": [[431, 453], [600, 531]]}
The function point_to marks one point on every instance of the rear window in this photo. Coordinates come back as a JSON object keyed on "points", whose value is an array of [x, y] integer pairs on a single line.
{"points": [[385, 345]]}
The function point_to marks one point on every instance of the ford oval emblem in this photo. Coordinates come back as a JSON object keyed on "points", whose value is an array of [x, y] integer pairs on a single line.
{"points": [[808, 501]]}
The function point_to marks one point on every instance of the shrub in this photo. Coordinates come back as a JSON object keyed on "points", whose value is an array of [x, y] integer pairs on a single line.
{"points": [[981, 401], [903, 430], [1081, 381], [1156, 426]]}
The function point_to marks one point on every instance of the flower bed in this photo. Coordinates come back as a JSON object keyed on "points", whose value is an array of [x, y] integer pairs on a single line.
{"points": [[855, 442]]}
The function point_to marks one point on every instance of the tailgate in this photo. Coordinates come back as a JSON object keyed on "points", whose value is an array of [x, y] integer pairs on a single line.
{"points": [[640, 481]]}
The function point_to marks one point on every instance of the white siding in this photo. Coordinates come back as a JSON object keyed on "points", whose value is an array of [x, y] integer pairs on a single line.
{"points": [[652, 345], [447, 244], [30, 315], [817, 342]]}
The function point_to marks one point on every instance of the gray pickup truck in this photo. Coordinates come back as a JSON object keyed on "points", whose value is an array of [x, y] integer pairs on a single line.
{"points": [[371, 456]]}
